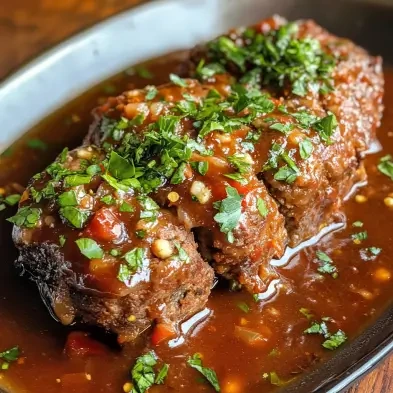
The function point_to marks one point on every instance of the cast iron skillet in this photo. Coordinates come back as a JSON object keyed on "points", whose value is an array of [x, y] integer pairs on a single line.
{"points": [[160, 27]]}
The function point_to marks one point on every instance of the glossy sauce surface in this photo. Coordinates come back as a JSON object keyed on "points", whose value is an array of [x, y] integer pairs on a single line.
{"points": [[226, 337]]}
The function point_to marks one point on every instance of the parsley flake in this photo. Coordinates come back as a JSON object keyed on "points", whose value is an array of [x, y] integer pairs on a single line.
{"points": [[89, 248], [195, 361], [229, 212]]}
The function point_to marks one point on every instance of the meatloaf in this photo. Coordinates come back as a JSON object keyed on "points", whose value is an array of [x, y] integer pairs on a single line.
{"points": [[330, 104], [103, 256], [256, 148]]}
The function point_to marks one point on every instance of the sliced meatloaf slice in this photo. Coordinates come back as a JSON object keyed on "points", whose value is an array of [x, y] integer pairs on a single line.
{"points": [[187, 139], [104, 256], [330, 94]]}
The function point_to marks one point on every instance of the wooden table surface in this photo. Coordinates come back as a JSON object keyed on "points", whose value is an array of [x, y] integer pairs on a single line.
{"points": [[29, 26]]}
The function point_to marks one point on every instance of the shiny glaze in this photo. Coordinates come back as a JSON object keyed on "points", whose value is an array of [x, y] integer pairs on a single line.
{"points": [[353, 300]]}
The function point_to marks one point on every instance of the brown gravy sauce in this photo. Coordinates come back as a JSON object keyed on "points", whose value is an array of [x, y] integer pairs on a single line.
{"points": [[353, 300]]}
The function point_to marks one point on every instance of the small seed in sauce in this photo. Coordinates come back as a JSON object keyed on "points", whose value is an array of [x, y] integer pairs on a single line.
{"points": [[382, 274], [388, 201], [173, 196], [162, 248], [360, 198]]}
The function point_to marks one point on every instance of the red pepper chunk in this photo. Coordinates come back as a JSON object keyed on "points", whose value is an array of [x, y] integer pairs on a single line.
{"points": [[162, 332], [105, 225], [80, 344]]}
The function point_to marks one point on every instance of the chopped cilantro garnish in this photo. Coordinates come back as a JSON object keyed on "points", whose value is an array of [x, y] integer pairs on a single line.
{"points": [[76, 180], [149, 208], [182, 253], [306, 312], [305, 148], [89, 248], [27, 217], [143, 374], [274, 58], [202, 167], [12, 199], [119, 167], [262, 208], [108, 200], [62, 240], [9, 356], [326, 127], [133, 262], [67, 198], [240, 162], [177, 80], [288, 172], [74, 216], [335, 340], [274, 379], [357, 224], [151, 92], [375, 250], [160, 378], [243, 306], [326, 266], [284, 128], [360, 236], [370, 253], [93, 169], [126, 207], [385, 166], [141, 71], [332, 341], [237, 177], [37, 144], [229, 212], [195, 361]]}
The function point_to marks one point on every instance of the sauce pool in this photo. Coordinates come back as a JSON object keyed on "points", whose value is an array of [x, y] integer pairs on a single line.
{"points": [[252, 346]]}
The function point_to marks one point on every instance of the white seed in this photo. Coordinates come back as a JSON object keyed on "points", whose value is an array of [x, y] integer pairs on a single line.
{"points": [[200, 191], [162, 248]]}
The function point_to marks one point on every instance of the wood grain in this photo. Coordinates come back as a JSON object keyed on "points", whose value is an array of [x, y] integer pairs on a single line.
{"points": [[28, 27]]}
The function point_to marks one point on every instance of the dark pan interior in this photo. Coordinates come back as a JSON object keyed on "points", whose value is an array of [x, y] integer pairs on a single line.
{"points": [[370, 24]]}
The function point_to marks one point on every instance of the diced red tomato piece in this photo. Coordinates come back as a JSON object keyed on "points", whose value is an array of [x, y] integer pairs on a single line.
{"points": [[105, 225], [162, 332], [80, 344]]}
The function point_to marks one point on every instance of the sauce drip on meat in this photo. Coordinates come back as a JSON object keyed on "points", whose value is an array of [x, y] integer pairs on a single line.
{"points": [[251, 345]]}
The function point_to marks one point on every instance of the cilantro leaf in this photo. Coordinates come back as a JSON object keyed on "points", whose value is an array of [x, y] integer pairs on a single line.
{"points": [[195, 362], [326, 127], [177, 80], [326, 265], [143, 374], [229, 212], [305, 148], [160, 378], [335, 340], [74, 216], [89, 248], [12, 199], [10, 355], [27, 217], [262, 208], [134, 262], [119, 167], [67, 198], [385, 166]]}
